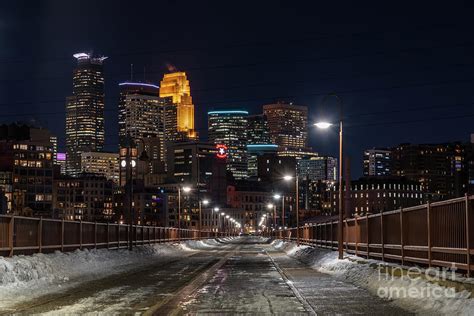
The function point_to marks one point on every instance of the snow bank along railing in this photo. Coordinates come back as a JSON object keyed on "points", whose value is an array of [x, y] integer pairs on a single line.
{"points": [[29, 235], [439, 234]]}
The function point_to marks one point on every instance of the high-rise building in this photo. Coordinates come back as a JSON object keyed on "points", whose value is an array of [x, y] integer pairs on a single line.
{"points": [[439, 168], [191, 162], [288, 124], [26, 169], [176, 85], [144, 115], [256, 150], [377, 162], [85, 110], [84, 197], [257, 131], [318, 169], [101, 163], [229, 128]]}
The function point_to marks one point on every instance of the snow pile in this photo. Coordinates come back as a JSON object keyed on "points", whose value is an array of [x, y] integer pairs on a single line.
{"points": [[411, 292], [42, 273]]}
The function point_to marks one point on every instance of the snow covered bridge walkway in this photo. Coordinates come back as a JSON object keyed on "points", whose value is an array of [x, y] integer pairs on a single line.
{"points": [[243, 275]]}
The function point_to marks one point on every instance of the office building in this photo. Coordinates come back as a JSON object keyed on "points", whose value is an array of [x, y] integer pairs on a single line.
{"points": [[257, 130], [85, 111], [144, 115], [317, 169], [26, 169], [87, 197], [101, 163], [379, 194], [440, 169], [229, 128], [377, 162], [288, 124], [191, 162], [256, 150], [176, 85]]}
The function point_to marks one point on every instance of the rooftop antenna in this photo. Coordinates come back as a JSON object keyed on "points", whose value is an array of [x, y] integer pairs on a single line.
{"points": [[131, 72]]}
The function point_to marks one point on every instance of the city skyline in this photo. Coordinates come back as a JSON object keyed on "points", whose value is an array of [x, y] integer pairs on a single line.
{"points": [[372, 76]]}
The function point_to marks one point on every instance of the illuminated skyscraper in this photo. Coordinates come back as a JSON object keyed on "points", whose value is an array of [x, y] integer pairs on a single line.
{"points": [[230, 128], [85, 111], [257, 131], [144, 115], [176, 85], [288, 124]]}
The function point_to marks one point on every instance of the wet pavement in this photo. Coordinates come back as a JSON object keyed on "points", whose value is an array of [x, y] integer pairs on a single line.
{"points": [[240, 277]]}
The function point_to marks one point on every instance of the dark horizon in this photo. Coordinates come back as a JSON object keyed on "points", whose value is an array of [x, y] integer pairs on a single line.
{"points": [[404, 73]]}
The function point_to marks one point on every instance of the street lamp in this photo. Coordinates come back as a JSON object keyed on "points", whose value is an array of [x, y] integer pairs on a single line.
{"points": [[290, 178], [129, 163], [185, 189], [271, 206], [205, 203], [326, 125], [277, 197]]}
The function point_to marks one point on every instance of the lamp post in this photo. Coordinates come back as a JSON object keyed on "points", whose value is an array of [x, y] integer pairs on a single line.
{"points": [[129, 163], [205, 203], [290, 178], [216, 210], [326, 125], [277, 197], [185, 189], [226, 225]]}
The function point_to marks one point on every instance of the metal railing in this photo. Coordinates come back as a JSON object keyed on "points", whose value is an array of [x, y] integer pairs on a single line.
{"points": [[436, 234], [27, 235]]}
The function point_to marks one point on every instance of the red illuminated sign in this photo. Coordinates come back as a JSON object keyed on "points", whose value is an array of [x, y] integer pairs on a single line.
{"points": [[221, 151]]}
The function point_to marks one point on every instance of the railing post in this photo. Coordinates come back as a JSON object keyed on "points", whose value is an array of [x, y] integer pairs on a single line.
{"points": [[356, 227], [401, 236], [381, 235], [95, 235], [10, 234], [367, 233], [80, 234], [428, 222], [108, 232], [62, 235], [468, 244], [40, 234]]}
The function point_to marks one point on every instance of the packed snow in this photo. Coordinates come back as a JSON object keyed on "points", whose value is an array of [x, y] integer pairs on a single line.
{"points": [[411, 292], [27, 277]]}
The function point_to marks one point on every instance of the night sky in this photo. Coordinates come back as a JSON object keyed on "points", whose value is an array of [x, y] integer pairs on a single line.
{"points": [[404, 72]]}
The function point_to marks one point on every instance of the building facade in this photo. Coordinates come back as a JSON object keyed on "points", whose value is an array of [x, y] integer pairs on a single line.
{"points": [[257, 130], [85, 111], [87, 197], [103, 163], [317, 169], [288, 124], [374, 195], [440, 169], [377, 162], [176, 85], [26, 170], [144, 115], [229, 128]]}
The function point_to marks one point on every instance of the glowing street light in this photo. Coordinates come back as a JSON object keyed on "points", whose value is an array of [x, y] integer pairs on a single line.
{"points": [[323, 125], [291, 178], [326, 125]]}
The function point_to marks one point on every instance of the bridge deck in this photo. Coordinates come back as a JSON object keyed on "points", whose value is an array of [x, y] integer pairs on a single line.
{"points": [[243, 276]]}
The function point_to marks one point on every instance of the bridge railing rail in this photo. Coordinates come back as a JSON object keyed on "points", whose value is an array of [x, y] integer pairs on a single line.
{"points": [[439, 234], [27, 235]]}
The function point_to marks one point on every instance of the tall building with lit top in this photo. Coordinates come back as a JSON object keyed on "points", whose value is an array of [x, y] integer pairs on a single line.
{"points": [[176, 85], [287, 124], [85, 110], [230, 128], [143, 114]]}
